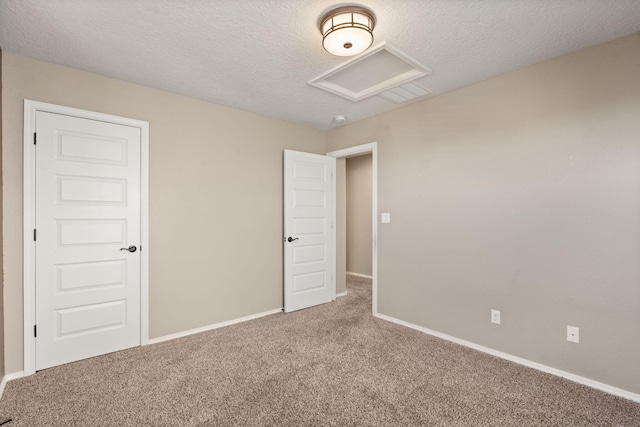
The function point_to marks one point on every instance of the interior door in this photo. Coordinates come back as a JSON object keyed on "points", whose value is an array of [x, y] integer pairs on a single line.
{"points": [[87, 238], [309, 241]]}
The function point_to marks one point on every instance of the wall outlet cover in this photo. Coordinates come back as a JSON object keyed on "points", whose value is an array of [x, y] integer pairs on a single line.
{"points": [[573, 334], [495, 316]]}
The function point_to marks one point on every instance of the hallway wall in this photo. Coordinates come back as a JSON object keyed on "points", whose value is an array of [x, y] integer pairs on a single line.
{"points": [[359, 227]]}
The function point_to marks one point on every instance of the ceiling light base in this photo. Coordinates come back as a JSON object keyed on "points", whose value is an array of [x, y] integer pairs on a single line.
{"points": [[348, 30]]}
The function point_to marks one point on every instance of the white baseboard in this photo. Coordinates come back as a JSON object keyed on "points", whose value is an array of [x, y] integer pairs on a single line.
{"points": [[360, 275], [9, 377], [341, 294], [519, 360], [214, 326]]}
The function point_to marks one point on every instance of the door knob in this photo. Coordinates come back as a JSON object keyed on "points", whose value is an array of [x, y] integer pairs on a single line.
{"points": [[131, 248], [291, 239]]}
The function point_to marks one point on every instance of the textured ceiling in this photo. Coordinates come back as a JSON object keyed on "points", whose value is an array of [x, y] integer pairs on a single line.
{"points": [[258, 55]]}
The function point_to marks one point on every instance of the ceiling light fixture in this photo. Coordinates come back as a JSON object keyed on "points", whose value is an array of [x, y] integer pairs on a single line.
{"points": [[347, 30]]}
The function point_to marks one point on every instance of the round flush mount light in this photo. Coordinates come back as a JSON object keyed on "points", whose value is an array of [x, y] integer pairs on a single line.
{"points": [[347, 30]]}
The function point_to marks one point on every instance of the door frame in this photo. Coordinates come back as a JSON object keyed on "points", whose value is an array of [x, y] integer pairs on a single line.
{"points": [[370, 148], [29, 284]]}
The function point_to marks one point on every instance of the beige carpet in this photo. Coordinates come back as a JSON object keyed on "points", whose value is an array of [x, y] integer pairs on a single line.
{"points": [[332, 365]]}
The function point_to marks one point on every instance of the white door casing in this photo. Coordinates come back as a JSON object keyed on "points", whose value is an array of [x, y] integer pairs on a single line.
{"points": [[87, 200], [309, 213]]}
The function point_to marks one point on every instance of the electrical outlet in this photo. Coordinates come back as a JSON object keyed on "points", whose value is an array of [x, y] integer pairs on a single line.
{"points": [[573, 334], [495, 316]]}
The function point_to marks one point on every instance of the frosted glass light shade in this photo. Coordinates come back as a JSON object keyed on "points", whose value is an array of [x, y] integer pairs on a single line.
{"points": [[347, 31]]}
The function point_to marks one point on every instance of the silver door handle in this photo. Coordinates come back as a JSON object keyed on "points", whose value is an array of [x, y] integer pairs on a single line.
{"points": [[131, 248]]}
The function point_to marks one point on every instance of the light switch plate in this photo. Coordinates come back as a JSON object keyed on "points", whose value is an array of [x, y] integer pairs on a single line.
{"points": [[385, 217]]}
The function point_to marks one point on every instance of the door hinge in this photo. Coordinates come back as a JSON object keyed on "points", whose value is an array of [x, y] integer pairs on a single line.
{"points": [[35, 137], [35, 331], [34, 234]]}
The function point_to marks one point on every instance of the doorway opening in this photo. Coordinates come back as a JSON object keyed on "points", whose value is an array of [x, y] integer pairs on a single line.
{"points": [[356, 236]]}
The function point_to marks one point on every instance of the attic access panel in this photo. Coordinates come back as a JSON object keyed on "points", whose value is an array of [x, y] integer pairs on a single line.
{"points": [[379, 70]]}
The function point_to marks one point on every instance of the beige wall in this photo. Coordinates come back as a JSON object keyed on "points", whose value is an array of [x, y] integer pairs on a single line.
{"points": [[215, 196], [359, 234], [341, 225], [2, 371], [521, 194]]}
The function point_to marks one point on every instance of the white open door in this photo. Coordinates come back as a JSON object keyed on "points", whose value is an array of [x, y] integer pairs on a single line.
{"points": [[309, 233], [87, 238]]}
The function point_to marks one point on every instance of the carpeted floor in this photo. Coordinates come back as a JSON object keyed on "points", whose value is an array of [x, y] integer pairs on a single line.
{"points": [[332, 365]]}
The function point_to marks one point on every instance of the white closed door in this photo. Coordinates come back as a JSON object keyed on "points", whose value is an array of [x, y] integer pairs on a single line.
{"points": [[88, 209], [309, 240]]}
